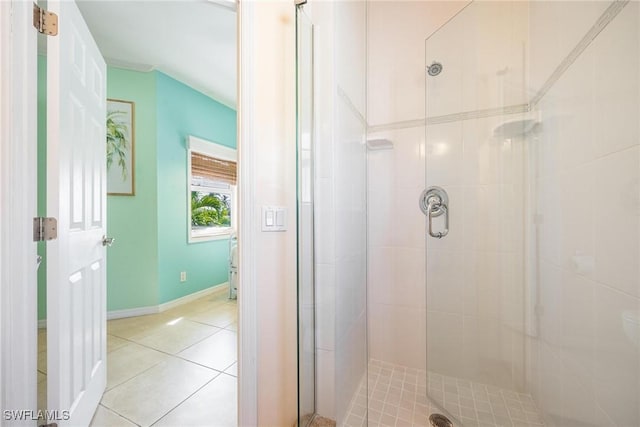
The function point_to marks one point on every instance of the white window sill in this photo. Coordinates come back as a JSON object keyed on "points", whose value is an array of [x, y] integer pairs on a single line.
{"points": [[222, 235]]}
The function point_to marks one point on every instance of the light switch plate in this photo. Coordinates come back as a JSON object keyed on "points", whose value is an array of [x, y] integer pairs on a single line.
{"points": [[274, 218]]}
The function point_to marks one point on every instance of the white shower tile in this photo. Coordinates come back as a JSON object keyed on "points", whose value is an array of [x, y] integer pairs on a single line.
{"points": [[350, 51], [555, 28], [617, 368], [618, 226], [380, 211], [324, 219], [445, 338], [488, 159], [381, 274], [408, 284], [550, 302], [578, 399], [444, 154], [617, 86], [325, 306], [483, 351], [399, 334], [577, 340], [551, 369], [568, 121], [577, 218], [446, 281], [325, 398], [489, 222], [408, 220], [408, 152]]}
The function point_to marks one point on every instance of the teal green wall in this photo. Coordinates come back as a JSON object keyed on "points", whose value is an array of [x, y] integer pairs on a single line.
{"points": [[183, 111], [150, 228], [132, 262]]}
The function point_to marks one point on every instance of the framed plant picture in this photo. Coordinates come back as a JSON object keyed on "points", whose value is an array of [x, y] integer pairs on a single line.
{"points": [[120, 147]]}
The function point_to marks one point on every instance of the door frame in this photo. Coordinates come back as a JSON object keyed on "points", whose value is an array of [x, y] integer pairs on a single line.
{"points": [[248, 224], [18, 181], [18, 190]]}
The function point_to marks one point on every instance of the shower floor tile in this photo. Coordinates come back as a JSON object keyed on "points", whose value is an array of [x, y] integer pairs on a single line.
{"points": [[400, 397]]}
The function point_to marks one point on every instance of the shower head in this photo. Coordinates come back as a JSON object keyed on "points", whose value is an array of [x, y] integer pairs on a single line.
{"points": [[516, 128], [434, 69]]}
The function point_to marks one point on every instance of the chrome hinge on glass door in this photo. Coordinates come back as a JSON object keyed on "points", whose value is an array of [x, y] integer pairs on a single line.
{"points": [[434, 202]]}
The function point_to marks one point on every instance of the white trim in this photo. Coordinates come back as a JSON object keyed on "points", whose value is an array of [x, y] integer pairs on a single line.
{"points": [[219, 151], [224, 234], [217, 289], [132, 312], [18, 190], [154, 309], [248, 231], [211, 148]]}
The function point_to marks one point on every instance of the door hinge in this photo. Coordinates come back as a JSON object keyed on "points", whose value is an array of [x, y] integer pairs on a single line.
{"points": [[44, 229], [44, 21]]}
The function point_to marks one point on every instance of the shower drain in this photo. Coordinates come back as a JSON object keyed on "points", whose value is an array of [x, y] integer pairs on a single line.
{"points": [[439, 420]]}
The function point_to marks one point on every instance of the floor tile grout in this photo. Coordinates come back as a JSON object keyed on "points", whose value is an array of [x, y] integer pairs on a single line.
{"points": [[117, 413], [153, 327], [187, 398]]}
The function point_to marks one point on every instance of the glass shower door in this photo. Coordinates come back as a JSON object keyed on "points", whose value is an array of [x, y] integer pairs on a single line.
{"points": [[475, 132], [305, 216], [533, 295]]}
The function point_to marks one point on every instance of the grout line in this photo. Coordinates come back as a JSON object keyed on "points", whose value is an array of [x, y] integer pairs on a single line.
{"points": [[177, 355], [115, 412], [107, 390], [129, 340], [183, 401], [603, 21]]}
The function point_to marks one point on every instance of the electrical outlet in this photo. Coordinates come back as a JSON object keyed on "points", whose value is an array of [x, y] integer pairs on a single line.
{"points": [[183, 276]]}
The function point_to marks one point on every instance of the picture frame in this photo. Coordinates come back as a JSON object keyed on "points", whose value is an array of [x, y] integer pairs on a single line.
{"points": [[120, 147]]}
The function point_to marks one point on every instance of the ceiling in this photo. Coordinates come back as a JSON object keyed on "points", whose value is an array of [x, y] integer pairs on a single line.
{"points": [[193, 41]]}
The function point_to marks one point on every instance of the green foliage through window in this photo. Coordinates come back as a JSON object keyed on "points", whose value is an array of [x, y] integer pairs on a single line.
{"points": [[210, 209]]}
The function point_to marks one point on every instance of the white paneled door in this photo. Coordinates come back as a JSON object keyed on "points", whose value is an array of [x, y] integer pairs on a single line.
{"points": [[76, 196]]}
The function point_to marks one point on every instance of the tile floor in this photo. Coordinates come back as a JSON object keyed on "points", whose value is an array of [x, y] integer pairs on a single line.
{"points": [[176, 368], [398, 397]]}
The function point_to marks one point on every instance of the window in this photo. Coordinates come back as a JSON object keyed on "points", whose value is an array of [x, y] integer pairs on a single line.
{"points": [[212, 190]]}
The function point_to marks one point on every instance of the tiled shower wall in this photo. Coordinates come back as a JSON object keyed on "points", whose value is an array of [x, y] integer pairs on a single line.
{"points": [[340, 215], [586, 185], [397, 250], [466, 286], [578, 303]]}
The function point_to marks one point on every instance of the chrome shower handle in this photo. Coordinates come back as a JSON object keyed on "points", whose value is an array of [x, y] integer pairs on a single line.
{"points": [[431, 207], [434, 202]]}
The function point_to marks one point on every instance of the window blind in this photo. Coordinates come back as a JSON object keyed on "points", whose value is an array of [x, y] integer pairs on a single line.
{"points": [[214, 169]]}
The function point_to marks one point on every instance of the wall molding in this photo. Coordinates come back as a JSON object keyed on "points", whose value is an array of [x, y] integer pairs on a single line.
{"points": [[154, 309]]}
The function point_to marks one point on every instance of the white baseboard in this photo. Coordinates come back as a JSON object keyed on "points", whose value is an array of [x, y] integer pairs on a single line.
{"points": [[217, 289], [132, 312], [153, 309], [141, 311]]}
